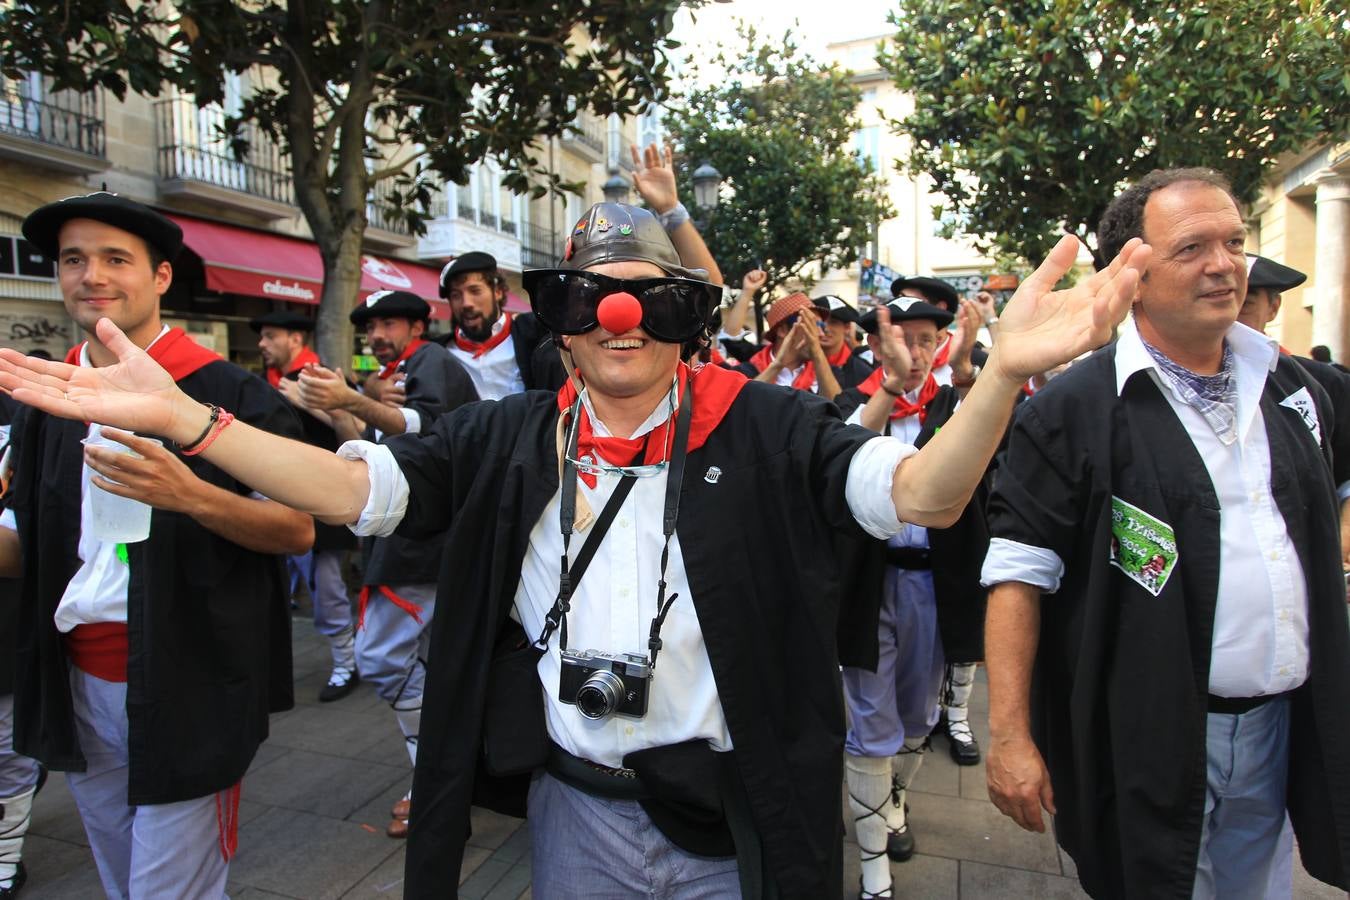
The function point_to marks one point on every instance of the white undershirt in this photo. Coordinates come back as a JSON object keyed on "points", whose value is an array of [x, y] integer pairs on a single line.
{"points": [[495, 374], [616, 600], [1260, 643]]}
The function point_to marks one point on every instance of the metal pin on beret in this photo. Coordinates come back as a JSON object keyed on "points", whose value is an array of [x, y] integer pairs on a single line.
{"points": [[290, 321], [1267, 273], [42, 228], [617, 232], [473, 261], [391, 305]]}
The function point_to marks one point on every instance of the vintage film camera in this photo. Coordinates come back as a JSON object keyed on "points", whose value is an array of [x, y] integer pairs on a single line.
{"points": [[604, 684]]}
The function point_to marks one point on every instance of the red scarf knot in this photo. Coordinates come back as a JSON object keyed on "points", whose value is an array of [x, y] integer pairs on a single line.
{"points": [[391, 367], [479, 348], [903, 408]]}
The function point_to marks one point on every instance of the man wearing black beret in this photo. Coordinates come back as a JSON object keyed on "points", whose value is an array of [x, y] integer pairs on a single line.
{"points": [[505, 353], [148, 658], [283, 339], [942, 295], [398, 593], [839, 319]]}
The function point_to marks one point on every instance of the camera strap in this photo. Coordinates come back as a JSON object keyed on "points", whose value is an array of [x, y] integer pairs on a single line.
{"points": [[570, 574]]}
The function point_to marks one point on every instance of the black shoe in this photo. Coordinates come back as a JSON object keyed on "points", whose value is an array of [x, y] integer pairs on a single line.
{"points": [[900, 844], [962, 744], [21, 875], [338, 687]]}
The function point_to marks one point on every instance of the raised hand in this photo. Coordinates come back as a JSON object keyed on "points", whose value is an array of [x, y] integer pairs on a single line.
{"points": [[753, 280], [324, 388], [963, 341], [1041, 328], [135, 393], [654, 177], [150, 473], [888, 346]]}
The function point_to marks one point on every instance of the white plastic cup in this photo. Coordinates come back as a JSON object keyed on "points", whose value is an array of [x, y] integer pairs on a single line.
{"points": [[114, 518]]}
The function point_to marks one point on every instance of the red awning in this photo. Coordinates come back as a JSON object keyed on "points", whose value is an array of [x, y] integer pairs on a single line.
{"points": [[260, 264]]}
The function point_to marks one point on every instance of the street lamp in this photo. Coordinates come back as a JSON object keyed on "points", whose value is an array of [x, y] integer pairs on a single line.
{"points": [[707, 181], [616, 188]]}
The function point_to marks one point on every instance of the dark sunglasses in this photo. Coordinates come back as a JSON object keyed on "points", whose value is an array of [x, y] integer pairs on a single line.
{"points": [[674, 310]]}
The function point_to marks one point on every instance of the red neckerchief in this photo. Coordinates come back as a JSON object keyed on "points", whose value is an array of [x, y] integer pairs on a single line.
{"points": [[478, 348], [805, 378], [177, 353], [1029, 388], [903, 409], [715, 389], [302, 359], [391, 367], [841, 357], [943, 353]]}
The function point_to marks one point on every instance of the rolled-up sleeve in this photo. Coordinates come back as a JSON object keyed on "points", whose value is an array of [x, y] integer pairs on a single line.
{"points": [[871, 475], [388, 500], [1009, 560], [412, 420]]}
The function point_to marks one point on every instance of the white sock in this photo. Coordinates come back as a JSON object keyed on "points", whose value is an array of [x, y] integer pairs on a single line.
{"points": [[960, 682], [905, 767], [13, 826], [869, 793], [343, 646], [410, 722]]}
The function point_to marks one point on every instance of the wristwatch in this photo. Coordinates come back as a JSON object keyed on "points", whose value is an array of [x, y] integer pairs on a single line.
{"points": [[966, 382]]}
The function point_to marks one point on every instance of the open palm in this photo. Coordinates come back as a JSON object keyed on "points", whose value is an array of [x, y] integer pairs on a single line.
{"points": [[134, 394], [1041, 328]]}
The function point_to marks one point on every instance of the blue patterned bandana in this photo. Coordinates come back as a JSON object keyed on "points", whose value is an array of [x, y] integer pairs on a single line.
{"points": [[1213, 396]]}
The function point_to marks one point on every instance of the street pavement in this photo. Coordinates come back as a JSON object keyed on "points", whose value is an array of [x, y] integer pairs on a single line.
{"points": [[316, 802]]}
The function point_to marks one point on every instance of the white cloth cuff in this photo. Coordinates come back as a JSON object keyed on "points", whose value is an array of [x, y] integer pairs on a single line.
{"points": [[1014, 561], [388, 499], [8, 520], [871, 474], [1343, 492], [412, 420]]}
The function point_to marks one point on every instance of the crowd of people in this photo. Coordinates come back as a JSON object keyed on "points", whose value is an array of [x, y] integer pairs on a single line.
{"points": [[661, 586]]}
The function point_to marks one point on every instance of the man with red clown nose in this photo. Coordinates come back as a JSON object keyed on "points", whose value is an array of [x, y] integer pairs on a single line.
{"points": [[623, 652]]}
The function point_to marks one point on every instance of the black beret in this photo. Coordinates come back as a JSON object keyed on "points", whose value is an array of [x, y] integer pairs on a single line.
{"points": [[836, 308], [934, 290], [42, 228], [1267, 273], [288, 320], [473, 261], [391, 305], [908, 309]]}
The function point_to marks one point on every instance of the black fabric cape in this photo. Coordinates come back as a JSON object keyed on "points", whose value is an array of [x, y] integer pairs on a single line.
{"points": [[9, 587], [489, 470], [208, 621], [436, 383], [957, 551], [321, 434], [1121, 677]]}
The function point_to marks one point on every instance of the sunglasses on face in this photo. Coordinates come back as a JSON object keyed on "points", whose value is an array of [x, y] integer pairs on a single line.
{"points": [[674, 310]]}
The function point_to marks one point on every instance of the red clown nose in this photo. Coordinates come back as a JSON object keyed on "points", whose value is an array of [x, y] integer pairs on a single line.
{"points": [[619, 313]]}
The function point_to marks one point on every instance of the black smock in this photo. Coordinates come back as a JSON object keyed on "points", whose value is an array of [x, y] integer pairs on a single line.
{"points": [[9, 587], [435, 383], [208, 622], [487, 471], [955, 552], [1121, 677]]}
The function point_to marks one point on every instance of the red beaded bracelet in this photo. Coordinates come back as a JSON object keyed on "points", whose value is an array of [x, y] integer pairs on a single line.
{"points": [[220, 425]]}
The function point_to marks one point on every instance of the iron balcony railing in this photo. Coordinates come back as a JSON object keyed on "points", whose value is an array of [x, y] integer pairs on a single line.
{"points": [[192, 146], [378, 211], [540, 249], [588, 131], [68, 120]]}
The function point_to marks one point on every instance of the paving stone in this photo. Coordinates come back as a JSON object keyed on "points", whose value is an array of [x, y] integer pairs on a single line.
{"points": [[326, 785], [387, 747], [376, 812], [976, 830], [383, 883], [251, 893], [515, 882], [491, 829], [985, 882], [938, 774], [921, 877], [55, 814], [336, 854], [58, 869], [473, 858], [483, 879], [267, 752], [324, 729], [516, 849]]}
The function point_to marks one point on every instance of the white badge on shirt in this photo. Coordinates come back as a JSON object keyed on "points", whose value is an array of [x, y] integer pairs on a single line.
{"points": [[1301, 402], [1144, 547]]}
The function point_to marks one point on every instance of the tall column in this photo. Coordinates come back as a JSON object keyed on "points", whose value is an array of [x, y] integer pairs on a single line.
{"points": [[1331, 277]]}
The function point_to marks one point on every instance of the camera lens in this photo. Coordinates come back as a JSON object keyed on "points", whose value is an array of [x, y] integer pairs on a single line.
{"points": [[599, 695]]}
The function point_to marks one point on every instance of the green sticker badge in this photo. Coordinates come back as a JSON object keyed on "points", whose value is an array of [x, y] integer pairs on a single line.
{"points": [[1143, 547]]}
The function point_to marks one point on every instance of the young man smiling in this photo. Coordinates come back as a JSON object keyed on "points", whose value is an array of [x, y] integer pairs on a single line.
{"points": [[653, 798]]}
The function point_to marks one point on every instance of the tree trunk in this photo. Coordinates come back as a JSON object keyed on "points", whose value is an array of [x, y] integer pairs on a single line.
{"points": [[341, 287]]}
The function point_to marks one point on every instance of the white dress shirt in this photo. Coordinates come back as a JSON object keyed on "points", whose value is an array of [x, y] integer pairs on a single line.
{"points": [[495, 374], [614, 604], [1260, 643]]}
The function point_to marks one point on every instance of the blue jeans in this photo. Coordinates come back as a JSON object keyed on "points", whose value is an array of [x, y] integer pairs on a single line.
{"points": [[1244, 802], [591, 848]]}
